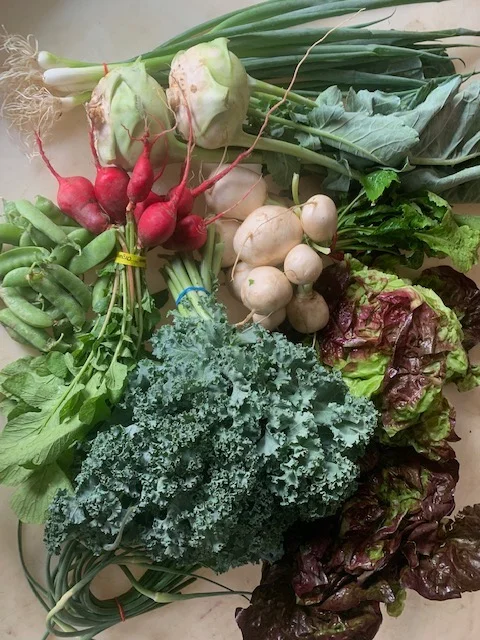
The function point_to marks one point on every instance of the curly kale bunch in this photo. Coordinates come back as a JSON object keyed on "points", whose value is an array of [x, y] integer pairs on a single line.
{"points": [[223, 440]]}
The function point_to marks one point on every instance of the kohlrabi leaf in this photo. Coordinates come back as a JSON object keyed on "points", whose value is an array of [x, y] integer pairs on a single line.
{"points": [[282, 168]]}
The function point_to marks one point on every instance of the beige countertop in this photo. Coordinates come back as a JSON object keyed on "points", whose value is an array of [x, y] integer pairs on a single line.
{"points": [[116, 29]]}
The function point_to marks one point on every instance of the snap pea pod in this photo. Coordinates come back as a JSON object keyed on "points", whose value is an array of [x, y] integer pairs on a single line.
{"points": [[63, 255], [16, 277], [33, 336], [9, 233], [55, 214], [24, 310], [94, 252], [29, 294], [21, 257], [58, 297], [16, 336], [71, 283], [40, 221], [39, 239], [25, 239], [56, 315], [100, 292]]}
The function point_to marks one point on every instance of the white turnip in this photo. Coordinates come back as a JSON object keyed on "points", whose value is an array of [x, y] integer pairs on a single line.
{"points": [[236, 276], [319, 219], [267, 235], [227, 230], [266, 290], [272, 321], [303, 265], [308, 312], [238, 193]]}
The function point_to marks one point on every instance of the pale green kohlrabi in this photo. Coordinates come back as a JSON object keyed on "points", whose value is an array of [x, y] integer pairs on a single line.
{"points": [[123, 103], [214, 83]]}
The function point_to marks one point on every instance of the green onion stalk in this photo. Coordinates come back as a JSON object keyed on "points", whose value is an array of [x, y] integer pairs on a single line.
{"points": [[269, 38], [193, 284], [74, 611]]}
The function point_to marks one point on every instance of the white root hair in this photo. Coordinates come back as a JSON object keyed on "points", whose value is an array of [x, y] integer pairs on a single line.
{"points": [[25, 101]]}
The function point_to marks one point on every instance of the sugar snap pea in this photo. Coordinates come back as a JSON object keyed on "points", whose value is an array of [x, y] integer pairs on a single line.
{"points": [[62, 255], [94, 252], [16, 336], [100, 294], [55, 214], [24, 310], [26, 239], [16, 277], [9, 233], [58, 297], [71, 283], [35, 337], [32, 296], [39, 239], [21, 257], [41, 222]]}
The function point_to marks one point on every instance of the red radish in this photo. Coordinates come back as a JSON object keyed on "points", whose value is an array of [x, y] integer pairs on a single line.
{"points": [[190, 234], [111, 185], [142, 178], [140, 207], [185, 203], [156, 224], [76, 198]]}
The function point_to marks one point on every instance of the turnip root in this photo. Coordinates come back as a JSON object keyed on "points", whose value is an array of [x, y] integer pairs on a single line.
{"points": [[267, 235], [266, 290], [308, 312], [236, 276], [227, 230], [319, 219], [303, 265], [238, 193], [272, 321]]}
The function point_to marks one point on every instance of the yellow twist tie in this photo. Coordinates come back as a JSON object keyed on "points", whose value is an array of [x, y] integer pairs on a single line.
{"points": [[131, 260]]}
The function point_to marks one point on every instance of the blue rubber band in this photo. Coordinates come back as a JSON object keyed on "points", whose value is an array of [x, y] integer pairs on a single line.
{"points": [[183, 293]]}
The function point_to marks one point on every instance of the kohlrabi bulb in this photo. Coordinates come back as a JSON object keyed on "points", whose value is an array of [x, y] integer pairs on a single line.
{"points": [[124, 101], [214, 84]]}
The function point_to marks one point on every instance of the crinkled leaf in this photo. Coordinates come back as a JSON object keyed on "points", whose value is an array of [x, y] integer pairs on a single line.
{"points": [[461, 294], [453, 567]]}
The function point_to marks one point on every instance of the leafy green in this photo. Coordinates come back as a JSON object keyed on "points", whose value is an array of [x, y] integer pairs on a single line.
{"points": [[221, 442], [399, 344], [405, 226], [52, 401]]}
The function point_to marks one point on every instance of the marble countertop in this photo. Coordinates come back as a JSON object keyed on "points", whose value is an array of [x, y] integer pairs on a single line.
{"points": [[116, 29]]}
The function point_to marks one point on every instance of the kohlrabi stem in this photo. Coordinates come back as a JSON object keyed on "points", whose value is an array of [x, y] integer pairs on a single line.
{"points": [[258, 86], [305, 155]]}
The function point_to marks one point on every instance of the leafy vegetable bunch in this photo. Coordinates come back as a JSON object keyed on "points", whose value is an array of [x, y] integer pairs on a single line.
{"points": [[400, 344], [223, 440], [393, 535]]}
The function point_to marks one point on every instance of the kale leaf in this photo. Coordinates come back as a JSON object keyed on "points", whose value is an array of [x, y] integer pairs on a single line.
{"points": [[222, 441]]}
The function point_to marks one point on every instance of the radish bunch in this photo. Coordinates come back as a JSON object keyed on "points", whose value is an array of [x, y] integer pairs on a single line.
{"points": [[276, 250]]}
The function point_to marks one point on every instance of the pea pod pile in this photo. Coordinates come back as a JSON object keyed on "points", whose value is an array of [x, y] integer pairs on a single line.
{"points": [[89, 335], [45, 297]]}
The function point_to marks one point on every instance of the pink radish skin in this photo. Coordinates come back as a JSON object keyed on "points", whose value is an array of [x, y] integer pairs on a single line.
{"points": [[157, 224], [190, 234], [111, 185], [185, 203], [140, 207], [76, 198], [142, 178]]}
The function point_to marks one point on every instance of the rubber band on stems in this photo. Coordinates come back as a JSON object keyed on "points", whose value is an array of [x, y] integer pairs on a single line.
{"points": [[183, 293], [120, 610]]}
